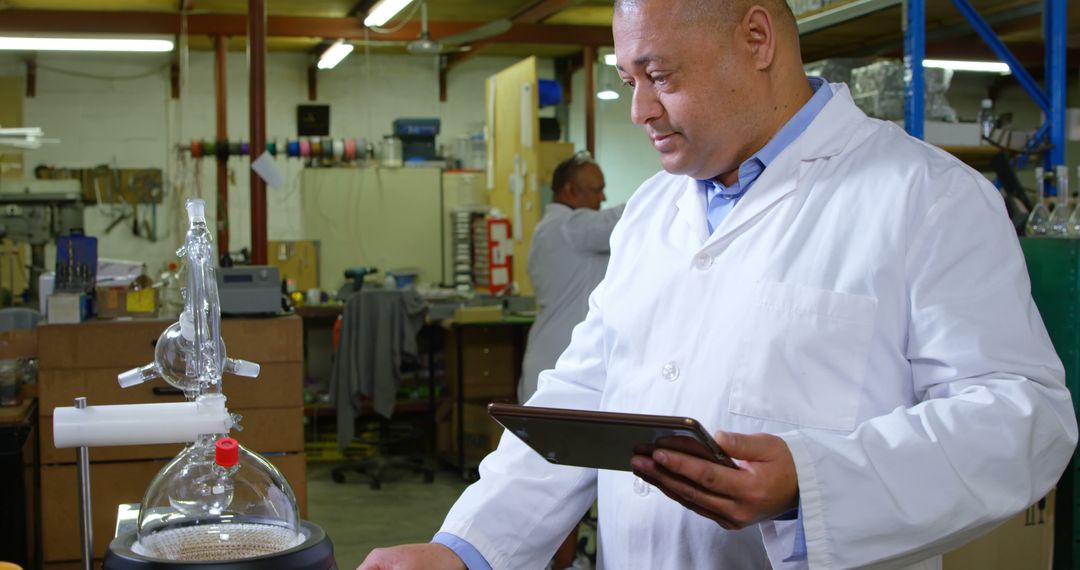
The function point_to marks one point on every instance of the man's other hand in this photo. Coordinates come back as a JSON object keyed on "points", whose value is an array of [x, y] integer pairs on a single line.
{"points": [[412, 557], [764, 486]]}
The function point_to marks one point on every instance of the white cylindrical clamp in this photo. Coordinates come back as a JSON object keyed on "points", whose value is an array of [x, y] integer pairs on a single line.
{"points": [[140, 424]]}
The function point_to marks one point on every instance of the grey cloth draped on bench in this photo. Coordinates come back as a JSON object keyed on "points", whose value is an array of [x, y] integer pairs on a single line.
{"points": [[378, 332]]}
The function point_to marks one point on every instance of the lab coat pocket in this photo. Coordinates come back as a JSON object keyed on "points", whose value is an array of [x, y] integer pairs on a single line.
{"points": [[802, 357]]}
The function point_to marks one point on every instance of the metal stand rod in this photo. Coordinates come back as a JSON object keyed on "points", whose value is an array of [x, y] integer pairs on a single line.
{"points": [[86, 530]]}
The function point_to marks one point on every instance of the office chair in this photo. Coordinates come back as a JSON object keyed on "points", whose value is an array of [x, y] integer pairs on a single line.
{"points": [[376, 340]]}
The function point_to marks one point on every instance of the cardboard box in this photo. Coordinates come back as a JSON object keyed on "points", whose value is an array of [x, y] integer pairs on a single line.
{"points": [[69, 308], [1024, 541], [117, 302], [297, 261], [483, 314]]}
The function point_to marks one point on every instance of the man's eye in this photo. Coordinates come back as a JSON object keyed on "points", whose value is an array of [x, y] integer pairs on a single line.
{"points": [[658, 79], [628, 83]]}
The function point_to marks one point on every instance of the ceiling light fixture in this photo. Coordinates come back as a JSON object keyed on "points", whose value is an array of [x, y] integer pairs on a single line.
{"points": [[979, 66], [334, 54], [610, 59], [383, 11], [608, 94], [84, 44]]}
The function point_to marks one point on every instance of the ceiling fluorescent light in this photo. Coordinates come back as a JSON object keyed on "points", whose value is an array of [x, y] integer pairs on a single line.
{"points": [[610, 59], [85, 44], [334, 54], [608, 95], [383, 11], [980, 66]]}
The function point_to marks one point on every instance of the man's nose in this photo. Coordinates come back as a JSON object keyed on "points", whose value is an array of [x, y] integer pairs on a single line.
{"points": [[644, 106]]}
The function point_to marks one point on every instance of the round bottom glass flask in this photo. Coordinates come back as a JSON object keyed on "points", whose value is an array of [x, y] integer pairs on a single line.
{"points": [[219, 505]]}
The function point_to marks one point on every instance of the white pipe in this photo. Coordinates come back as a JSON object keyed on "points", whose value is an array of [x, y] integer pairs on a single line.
{"points": [[140, 424]]}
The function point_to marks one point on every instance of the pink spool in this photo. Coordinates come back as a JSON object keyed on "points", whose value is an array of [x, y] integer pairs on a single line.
{"points": [[305, 148]]}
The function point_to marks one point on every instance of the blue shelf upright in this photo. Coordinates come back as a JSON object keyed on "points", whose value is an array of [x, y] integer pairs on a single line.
{"points": [[1051, 100]]}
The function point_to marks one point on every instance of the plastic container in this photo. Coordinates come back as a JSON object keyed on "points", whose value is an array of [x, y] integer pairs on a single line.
{"points": [[9, 382], [390, 151], [550, 92]]}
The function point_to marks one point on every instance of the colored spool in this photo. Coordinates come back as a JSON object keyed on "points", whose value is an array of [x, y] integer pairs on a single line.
{"points": [[292, 148], [245, 149], [234, 149], [305, 148], [350, 149], [196, 149], [316, 148], [210, 148], [271, 148], [339, 148], [327, 148]]}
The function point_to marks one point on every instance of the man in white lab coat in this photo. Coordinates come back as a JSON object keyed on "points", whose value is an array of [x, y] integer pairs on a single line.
{"points": [[567, 259], [847, 307]]}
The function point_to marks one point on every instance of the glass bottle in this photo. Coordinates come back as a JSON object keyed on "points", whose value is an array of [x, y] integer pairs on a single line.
{"points": [[1038, 222], [986, 118], [1059, 218]]}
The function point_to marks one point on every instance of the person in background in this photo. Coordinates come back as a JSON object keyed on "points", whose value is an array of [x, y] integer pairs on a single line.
{"points": [[847, 307], [567, 259]]}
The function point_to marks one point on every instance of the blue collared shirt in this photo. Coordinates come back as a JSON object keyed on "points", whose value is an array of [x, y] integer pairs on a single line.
{"points": [[724, 198], [720, 199]]}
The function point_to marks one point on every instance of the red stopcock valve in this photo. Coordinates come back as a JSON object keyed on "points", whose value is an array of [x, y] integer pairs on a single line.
{"points": [[226, 452]]}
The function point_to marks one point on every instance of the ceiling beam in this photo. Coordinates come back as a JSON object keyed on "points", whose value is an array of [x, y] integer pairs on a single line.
{"points": [[90, 22], [360, 8], [539, 10]]}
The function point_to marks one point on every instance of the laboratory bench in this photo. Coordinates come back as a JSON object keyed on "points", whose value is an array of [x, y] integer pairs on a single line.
{"points": [[482, 364], [84, 360]]}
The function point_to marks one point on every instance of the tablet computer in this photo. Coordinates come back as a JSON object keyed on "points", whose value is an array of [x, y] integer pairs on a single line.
{"points": [[603, 440]]}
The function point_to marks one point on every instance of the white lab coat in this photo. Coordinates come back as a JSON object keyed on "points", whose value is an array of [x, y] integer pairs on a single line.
{"points": [[567, 259], [867, 301]]}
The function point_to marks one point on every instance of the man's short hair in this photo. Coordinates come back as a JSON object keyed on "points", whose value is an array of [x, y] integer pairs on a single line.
{"points": [[568, 169]]}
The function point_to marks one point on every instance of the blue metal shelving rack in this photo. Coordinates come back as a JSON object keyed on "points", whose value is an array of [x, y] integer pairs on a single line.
{"points": [[1050, 100]]}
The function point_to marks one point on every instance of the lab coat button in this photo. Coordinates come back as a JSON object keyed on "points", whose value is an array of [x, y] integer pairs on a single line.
{"points": [[703, 261], [641, 487], [670, 372]]}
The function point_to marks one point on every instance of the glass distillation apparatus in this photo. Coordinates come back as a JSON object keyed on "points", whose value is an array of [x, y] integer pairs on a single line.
{"points": [[216, 503]]}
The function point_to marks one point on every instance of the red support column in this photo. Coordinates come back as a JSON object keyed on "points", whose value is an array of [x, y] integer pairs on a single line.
{"points": [[590, 99], [222, 135], [257, 88]]}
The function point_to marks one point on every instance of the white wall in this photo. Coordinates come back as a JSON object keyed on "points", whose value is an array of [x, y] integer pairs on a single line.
{"points": [[622, 148], [105, 116], [130, 121]]}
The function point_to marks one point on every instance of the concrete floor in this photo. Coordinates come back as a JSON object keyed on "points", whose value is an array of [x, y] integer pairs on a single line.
{"points": [[359, 519]]}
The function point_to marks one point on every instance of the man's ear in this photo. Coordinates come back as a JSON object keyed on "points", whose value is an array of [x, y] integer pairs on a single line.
{"points": [[759, 32]]}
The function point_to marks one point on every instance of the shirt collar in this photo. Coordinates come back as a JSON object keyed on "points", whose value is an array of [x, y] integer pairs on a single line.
{"points": [[751, 168]]}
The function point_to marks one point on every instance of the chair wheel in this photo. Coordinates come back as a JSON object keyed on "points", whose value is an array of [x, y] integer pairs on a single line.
{"points": [[376, 485], [429, 477], [337, 476]]}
